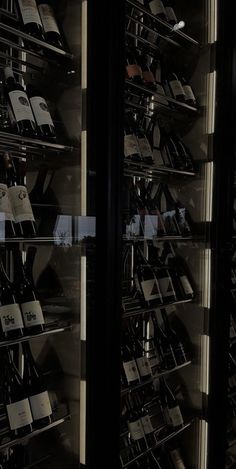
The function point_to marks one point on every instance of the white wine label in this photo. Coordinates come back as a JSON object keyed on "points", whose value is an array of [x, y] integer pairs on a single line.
{"points": [[21, 106], [144, 366], [32, 313], [5, 206], [150, 289], [19, 414], [40, 110], [147, 424], [160, 100], [40, 405], [171, 16], [156, 7], [176, 416], [177, 460], [186, 285], [131, 371], [136, 430], [48, 18], [29, 11], [10, 316], [20, 203], [176, 88], [166, 287], [144, 147], [131, 145], [188, 92]]}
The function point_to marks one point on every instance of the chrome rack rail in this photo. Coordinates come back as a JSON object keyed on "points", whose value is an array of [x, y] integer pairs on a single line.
{"points": [[49, 330], [131, 307], [132, 168]]}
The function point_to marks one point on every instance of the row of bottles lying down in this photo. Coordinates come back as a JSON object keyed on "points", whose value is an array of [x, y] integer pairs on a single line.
{"points": [[38, 19], [158, 279], [147, 416], [150, 347], [24, 395], [150, 209], [161, 9], [149, 141]]}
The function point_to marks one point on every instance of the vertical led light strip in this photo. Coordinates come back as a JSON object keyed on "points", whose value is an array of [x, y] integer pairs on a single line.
{"points": [[209, 171], [83, 306], [211, 100], [205, 353], [206, 275], [203, 444], [212, 15]]}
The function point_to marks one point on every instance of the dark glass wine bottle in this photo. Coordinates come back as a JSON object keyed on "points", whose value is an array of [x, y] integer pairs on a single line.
{"points": [[176, 87], [30, 306], [180, 277], [19, 105], [153, 206], [21, 207], [131, 146], [176, 343], [163, 275], [30, 18], [128, 362], [148, 77], [169, 213], [157, 8], [140, 355], [164, 347], [170, 405], [36, 390], [7, 228], [145, 280], [145, 419], [133, 69], [43, 119], [182, 216], [170, 12], [12, 326], [15, 398], [144, 145], [189, 94], [28, 265], [135, 426], [49, 22]]}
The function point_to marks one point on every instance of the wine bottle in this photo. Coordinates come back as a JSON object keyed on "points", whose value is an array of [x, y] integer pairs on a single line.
{"points": [[36, 390], [49, 22], [30, 18], [135, 426], [158, 141], [164, 347], [140, 356], [178, 272], [128, 362], [189, 94], [231, 374], [144, 145], [177, 459], [28, 265], [7, 228], [15, 398], [131, 146], [170, 13], [148, 77], [133, 69], [18, 194], [172, 410], [182, 217], [19, 105], [177, 345], [155, 67], [157, 8], [162, 273], [10, 314], [153, 204], [30, 306], [45, 126], [169, 213], [145, 419], [176, 87], [145, 280]]}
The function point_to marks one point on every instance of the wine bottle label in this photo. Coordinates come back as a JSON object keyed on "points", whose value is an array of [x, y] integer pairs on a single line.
{"points": [[188, 92], [32, 313], [157, 7], [166, 287], [40, 405], [133, 70], [131, 145], [171, 16], [10, 316], [148, 76], [176, 416], [19, 414], [144, 366], [20, 203], [147, 425], [177, 460], [186, 285], [176, 88], [29, 11], [21, 106], [144, 147], [150, 289], [5, 206], [136, 430], [131, 371], [160, 90], [48, 18], [40, 110]]}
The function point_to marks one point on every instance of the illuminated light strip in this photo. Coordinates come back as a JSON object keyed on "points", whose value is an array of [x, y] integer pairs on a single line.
{"points": [[83, 422], [206, 275], [84, 46], [211, 94], [203, 444], [84, 173], [205, 355], [212, 21], [209, 191], [83, 305]]}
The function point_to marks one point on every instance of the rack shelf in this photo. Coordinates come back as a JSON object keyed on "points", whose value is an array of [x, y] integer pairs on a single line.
{"points": [[158, 238], [14, 141], [143, 170], [23, 439], [169, 33], [50, 329], [136, 310], [160, 443], [157, 375]]}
